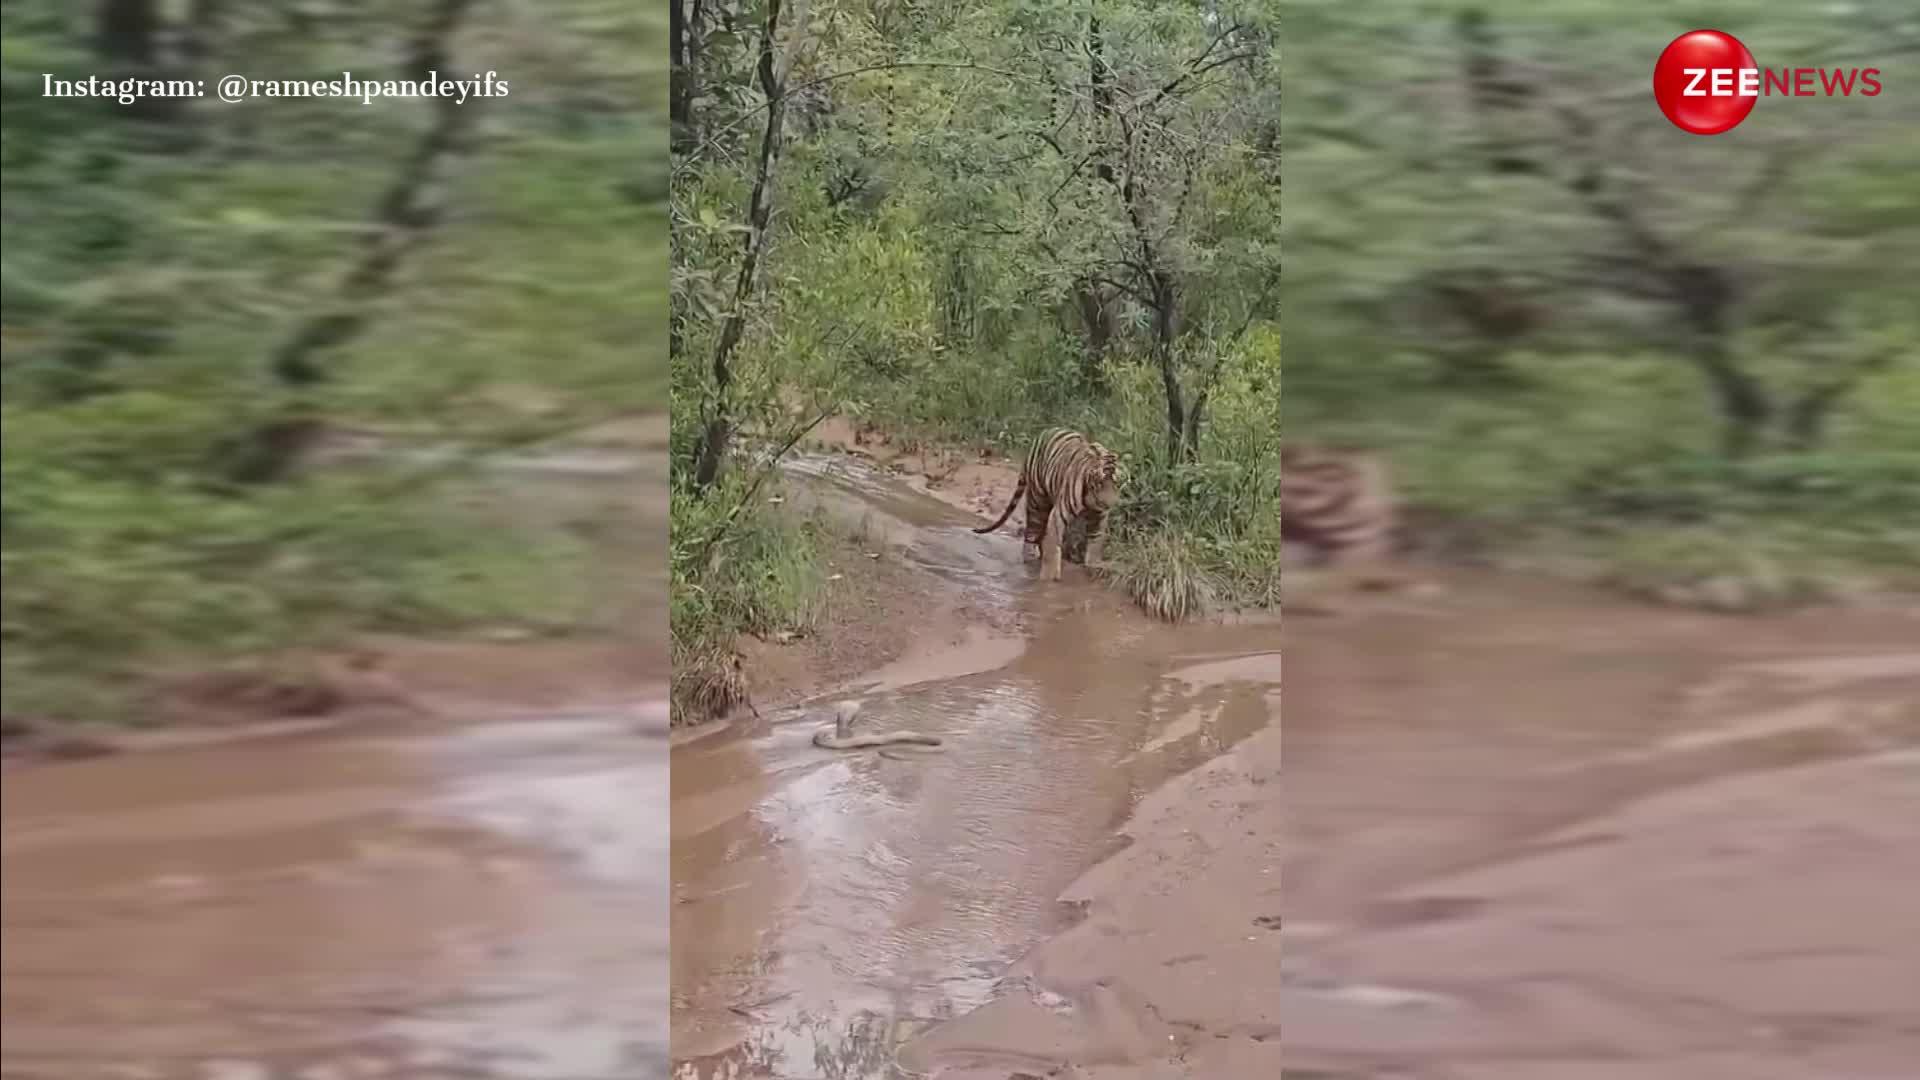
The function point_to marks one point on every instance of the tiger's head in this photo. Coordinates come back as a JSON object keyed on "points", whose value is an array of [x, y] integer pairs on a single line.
{"points": [[1103, 481]]}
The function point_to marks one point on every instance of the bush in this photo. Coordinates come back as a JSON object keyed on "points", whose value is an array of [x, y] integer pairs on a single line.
{"points": [[750, 572], [1160, 573]]}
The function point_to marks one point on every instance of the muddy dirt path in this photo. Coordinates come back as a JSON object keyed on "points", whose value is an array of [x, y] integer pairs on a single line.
{"points": [[1527, 833], [1536, 833], [831, 906], [477, 894]]}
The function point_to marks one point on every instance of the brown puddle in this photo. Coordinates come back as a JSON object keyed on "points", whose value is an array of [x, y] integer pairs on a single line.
{"points": [[485, 902], [1526, 833], [830, 906], [475, 898], [1534, 833]]}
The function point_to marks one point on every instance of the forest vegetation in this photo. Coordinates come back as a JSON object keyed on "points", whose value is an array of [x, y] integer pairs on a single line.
{"points": [[1689, 366], [962, 224], [194, 295]]}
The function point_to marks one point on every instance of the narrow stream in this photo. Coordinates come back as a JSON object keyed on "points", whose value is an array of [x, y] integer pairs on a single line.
{"points": [[828, 906]]}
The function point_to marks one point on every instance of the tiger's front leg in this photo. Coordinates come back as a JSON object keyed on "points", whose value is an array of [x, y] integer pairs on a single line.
{"points": [[1055, 531], [1096, 538]]}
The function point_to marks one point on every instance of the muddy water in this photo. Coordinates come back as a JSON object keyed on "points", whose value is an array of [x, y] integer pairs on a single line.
{"points": [[1535, 833], [481, 895], [829, 906]]}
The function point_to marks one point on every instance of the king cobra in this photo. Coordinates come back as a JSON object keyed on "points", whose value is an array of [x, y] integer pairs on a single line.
{"points": [[841, 737]]}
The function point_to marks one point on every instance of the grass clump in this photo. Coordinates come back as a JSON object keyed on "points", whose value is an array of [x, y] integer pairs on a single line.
{"points": [[1161, 574]]}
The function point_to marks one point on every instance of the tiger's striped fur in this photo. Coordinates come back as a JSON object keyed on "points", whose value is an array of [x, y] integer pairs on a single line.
{"points": [[1341, 506], [1066, 476]]}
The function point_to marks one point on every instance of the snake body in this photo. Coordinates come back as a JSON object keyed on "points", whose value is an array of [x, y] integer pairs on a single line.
{"points": [[841, 736]]}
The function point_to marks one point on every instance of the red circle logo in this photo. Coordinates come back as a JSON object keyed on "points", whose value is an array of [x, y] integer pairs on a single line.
{"points": [[1706, 82]]}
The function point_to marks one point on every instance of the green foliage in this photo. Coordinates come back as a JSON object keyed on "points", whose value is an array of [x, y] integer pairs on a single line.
{"points": [[149, 268], [736, 570], [1218, 514], [1521, 309], [1831, 488], [753, 573], [1721, 571], [939, 204], [1162, 575]]}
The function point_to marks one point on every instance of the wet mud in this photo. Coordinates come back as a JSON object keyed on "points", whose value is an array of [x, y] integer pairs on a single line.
{"points": [[1533, 832], [1526, 833], [473, 891], [485, 901], [830, 907]]}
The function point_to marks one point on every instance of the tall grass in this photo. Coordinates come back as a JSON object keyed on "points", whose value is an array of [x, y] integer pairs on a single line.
{"points": [[753, 572]]}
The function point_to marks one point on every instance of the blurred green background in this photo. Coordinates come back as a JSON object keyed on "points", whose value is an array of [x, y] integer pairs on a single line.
{"points": [[199, 300], [1686, 365]]}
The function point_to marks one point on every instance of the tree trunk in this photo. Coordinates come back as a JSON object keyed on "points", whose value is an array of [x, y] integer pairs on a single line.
{"points": [[1806, 421], [406, 211], [1097, 325], [127, 37], [1705, 296], [197, 36], [1166, 314], [1196, 416], [1745, 408], [718, 429], [1807, 418], [125, 32], [683, 76], [1500, 100], [1100, 79], [1197, 413]]}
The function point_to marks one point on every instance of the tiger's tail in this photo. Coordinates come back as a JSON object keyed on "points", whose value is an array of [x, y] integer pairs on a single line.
{"points": [[1019, 489]]}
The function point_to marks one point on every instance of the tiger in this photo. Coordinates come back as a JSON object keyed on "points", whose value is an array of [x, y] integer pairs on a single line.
{"points": [[1340, 504], [1066, 476]]}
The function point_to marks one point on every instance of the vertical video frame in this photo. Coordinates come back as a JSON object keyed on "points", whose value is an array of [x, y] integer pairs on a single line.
{"points": [[976, 537]]}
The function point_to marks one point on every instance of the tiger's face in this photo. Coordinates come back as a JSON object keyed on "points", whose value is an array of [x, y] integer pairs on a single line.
{"points": [[1103, 486]]}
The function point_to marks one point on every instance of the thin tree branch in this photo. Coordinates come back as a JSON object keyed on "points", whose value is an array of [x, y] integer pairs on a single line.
{"points": [[1200, 65], [766, 469]]}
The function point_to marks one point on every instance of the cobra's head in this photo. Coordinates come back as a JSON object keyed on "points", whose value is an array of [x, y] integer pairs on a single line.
{"points": [[843, 714]]}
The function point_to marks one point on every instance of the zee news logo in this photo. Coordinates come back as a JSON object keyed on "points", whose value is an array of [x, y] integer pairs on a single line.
{"points": [[1706, 82]]}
